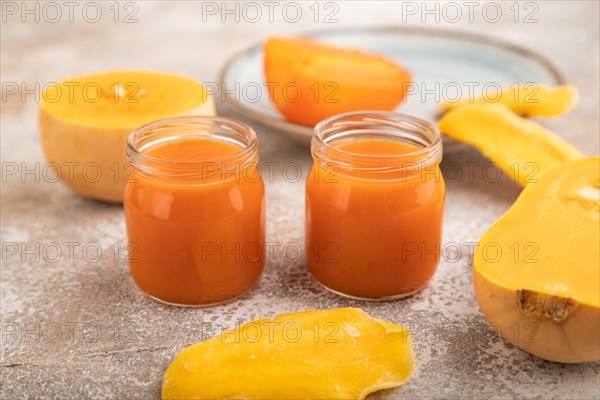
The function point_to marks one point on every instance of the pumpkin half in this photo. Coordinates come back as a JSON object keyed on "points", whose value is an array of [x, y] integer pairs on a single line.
{"points": [[85, 122], [536, 271]]}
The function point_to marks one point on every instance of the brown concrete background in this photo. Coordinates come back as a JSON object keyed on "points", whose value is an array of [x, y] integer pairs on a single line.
{"points": [[83, 330]]}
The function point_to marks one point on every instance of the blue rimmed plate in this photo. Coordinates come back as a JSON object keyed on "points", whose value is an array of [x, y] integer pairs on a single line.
{"points": [[445, 64]]}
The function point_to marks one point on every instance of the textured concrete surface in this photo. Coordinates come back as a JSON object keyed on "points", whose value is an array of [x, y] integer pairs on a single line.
{"points": [[76, 327]]}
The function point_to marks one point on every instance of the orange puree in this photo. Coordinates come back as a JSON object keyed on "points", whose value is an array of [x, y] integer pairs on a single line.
{"points": [[188, 150], [197, 230], [373, 234]]}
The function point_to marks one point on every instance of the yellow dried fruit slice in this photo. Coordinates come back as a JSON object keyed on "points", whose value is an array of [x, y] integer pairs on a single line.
{"points": [[521, 147], [320, 354], [527, 99]]}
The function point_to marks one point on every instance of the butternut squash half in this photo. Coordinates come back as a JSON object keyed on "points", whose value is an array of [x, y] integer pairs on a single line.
{"points": [[85, 122], [536, 271], [316, 354]]}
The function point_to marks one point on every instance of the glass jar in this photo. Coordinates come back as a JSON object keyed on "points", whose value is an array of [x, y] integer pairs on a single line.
{"points": [[374, 204], [195, 210]]}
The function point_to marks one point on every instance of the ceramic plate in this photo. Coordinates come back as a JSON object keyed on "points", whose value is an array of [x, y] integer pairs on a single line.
{"points": [[444, 64]]}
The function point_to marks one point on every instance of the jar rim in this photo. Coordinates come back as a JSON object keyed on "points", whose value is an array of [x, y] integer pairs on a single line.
{"points": [[378, 116], [249, 148]]}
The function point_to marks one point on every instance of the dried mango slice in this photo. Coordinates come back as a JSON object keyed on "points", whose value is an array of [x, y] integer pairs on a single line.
{"points": [[321, 354], [527, 99], [521, 147]]}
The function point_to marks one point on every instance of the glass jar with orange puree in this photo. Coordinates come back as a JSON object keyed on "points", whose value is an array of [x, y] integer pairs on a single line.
{"points": [[195, 210], [374, 204]]}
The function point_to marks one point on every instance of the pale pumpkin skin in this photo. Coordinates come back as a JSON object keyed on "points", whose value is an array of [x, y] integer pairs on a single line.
{"points": [[575, 340], [70, 144], [82, 138], [555, 314]]}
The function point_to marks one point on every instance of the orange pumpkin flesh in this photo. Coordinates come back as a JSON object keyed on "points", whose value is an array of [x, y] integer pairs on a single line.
{"points": [[308, 81]]}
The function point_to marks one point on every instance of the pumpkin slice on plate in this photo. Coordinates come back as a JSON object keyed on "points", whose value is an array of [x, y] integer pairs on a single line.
{"points": [[309, 81]]}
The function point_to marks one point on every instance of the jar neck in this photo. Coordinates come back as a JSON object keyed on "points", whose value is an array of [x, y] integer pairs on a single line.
{"points": [[421, 138], [170, 130]]}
